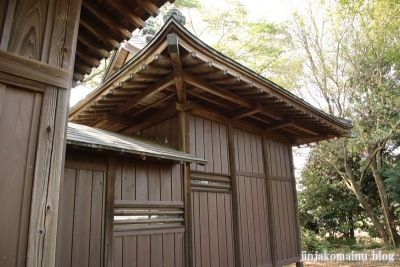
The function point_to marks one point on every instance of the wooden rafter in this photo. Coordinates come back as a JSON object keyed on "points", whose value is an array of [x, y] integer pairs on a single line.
{"points": [[107, 19], [89, 59], [151, 8], [278, 125], [166, 97], [149, 92], [209, 100], [95, 47], [215, 90], [100, 33], [112, 117], [163, 114], [243, 112], [125, 11]]}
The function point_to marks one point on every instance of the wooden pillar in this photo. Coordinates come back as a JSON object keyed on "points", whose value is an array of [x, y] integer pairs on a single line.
{"points": [[42, 31], [296, 207], [269, 201], [109, 212], [187, 197], [235, 202]]}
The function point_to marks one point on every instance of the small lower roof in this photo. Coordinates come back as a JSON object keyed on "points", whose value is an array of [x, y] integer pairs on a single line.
{"points": [[86, 136]]}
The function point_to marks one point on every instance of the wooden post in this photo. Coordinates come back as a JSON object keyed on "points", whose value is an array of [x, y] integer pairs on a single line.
{"points": [[45, 31], [109, 212], [235, 203], [296, 207], [269, 201], [184, 146]]}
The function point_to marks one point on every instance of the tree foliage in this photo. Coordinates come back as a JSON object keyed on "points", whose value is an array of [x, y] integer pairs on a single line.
{"points": [[350, 55]]}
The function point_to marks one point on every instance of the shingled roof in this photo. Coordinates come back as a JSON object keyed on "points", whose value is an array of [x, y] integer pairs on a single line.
{"points": [[177, 71]]}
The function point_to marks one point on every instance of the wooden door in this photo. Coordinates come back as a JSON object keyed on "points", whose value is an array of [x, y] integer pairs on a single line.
{"points": [[80, 238]]}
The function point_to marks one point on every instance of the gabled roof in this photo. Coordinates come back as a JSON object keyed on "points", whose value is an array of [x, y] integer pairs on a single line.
{"points": [[104, 25], [184, 73], [96, 138]]}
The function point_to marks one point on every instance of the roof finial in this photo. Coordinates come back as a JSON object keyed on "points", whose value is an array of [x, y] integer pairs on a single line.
{"points": [[176, 14]]}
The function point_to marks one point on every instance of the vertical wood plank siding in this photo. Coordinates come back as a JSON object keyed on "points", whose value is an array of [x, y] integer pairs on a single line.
{"points": [[212, 223], [148, 181], [19, 115], [81, 221], [209, 140], [284, 203], [165, 132], [253, 209], [212, 229]]}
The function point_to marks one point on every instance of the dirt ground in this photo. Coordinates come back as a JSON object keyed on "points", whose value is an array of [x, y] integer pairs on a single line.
{"points": [[382, 258]]}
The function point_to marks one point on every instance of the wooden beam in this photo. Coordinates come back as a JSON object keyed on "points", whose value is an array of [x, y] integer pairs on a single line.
{"points": [[94, 46], [243, 112], [110, 116], [151, 8], [126, 12], [303, 128], [156, 118], [154, 104], [173, 48], [107, 19], [197, 66], [210, 100], [79, 65], [270, 113], [149, 92], [34, 70], [99, 33], [278, 125], [89, 59], [215, 90]]}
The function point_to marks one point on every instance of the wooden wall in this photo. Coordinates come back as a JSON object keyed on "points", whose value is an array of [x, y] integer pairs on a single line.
{"points": [[37, 51], [282, 187], [165, 132], [252, 200], [19, 115], [211, 203], [140, 182], [81, 221], [209, 140], [213, 243]]}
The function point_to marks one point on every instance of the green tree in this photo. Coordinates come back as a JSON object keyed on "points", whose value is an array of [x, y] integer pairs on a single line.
{"points": [[350, 54]]}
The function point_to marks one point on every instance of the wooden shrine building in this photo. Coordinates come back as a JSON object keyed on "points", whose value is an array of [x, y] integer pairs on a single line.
{"points": [[182, 157]]}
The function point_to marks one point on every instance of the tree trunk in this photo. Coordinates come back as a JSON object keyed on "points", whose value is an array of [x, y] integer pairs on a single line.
{"points": [[385, 204], [367, 208]]}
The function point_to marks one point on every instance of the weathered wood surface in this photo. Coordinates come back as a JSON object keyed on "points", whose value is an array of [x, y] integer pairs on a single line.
{"points": [[209, 140], [213, 241], [152, 185], [284, 203], [19, 115], [34, 70], [252, 200], [80, 237]]}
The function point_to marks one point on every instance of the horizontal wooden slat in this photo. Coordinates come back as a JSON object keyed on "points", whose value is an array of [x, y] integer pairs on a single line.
{"points": [[123, 230], [147, 212], [214, 190], [34, 70], [216, 186], [210, 177], [157, 204], [149, 221]]}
